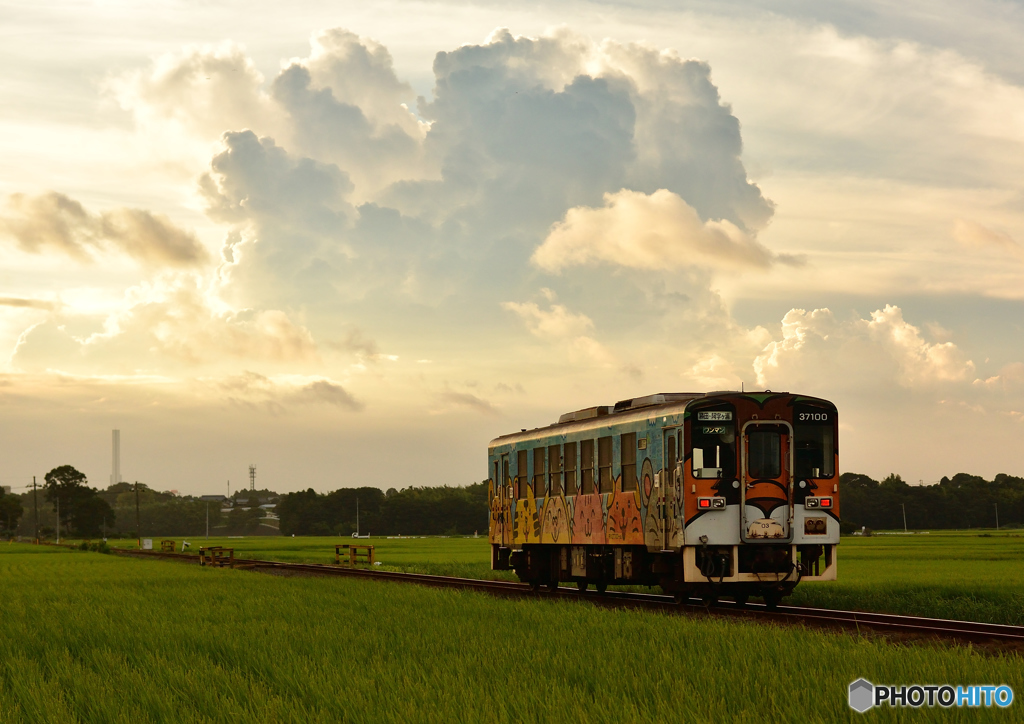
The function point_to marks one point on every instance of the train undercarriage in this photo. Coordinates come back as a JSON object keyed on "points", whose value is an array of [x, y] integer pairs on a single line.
{"points": [[768, 570]]}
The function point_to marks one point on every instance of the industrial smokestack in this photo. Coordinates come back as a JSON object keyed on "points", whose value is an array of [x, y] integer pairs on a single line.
{"points": [[115, 473]]}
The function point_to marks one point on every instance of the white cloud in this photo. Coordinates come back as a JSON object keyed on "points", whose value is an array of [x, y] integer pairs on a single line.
{"points": [[556, 322], [1010, 378], [816, 349], [203, 90], [659, 231], [164, 326]]}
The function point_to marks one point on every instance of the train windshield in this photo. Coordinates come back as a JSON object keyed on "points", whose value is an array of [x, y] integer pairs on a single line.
{"points": [[764, 454], [814, 443], [713, 441]]}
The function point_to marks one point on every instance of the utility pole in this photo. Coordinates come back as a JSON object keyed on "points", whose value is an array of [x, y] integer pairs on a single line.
{"points": [[357, 517], [35, 503], [58, 518], [207, 520], [997, 515], [904, 517], [138, 525]]}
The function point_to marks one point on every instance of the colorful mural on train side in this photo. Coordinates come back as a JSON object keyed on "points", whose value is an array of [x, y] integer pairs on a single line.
{"points": [[626, 517]]}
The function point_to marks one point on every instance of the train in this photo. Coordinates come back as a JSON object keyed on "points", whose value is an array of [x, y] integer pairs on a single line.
{"points": [[711, 495]]}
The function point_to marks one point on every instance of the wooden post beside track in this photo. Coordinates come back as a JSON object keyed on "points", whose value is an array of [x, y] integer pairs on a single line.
{"points": [[217, 557], [354, 555]]}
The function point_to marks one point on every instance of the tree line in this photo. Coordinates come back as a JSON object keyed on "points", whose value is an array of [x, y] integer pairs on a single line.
{"points": [[963, 501], [65, 502], [412, 511]]}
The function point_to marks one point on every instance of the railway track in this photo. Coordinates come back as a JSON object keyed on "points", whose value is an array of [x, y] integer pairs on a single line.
{"points": [[884, 623]]}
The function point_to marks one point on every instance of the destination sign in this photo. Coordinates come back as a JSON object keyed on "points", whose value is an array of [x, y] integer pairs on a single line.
{"points": [[714, 416]]}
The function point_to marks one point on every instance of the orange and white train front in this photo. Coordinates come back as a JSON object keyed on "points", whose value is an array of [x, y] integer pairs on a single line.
{"points": [[760, 495]]}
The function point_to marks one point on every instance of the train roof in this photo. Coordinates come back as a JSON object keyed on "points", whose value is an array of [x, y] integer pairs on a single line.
{"points": [[637, 408]]}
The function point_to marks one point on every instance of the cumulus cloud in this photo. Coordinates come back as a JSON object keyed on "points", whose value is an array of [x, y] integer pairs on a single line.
{"points": [[254, 178], [656, 231], [204, 89], [556, 322], [867, 353], [1010, 377], [53, 221]]}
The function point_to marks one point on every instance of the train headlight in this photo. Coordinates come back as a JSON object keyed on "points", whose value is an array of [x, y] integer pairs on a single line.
{"points": [[811, 503], [818, 503], [715, 503]]}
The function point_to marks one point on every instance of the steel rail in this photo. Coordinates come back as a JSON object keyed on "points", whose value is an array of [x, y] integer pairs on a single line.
{"points": [[885, 623]]}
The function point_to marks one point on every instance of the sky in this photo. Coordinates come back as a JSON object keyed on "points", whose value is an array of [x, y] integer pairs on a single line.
{"points": [[352, 244]]}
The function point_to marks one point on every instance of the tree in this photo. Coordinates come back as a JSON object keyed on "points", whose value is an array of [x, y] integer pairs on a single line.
{"points": [[10, 512], [90, 515], [80, 506], [66, 486]]}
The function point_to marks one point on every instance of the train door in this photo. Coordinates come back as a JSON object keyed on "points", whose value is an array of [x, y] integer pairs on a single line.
{"points": [[767, 465], [669, 486], [506, 501]]}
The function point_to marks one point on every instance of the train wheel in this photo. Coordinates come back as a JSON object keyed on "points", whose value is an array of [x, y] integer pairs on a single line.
{"points": [[741, 600], [680, 598], [535, 586], [771, 600], [602, 587], [709, 600], [552, 586], [581, 585]]}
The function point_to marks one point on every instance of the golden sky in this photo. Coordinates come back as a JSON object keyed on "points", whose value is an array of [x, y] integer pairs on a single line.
{"points": [[351, 245]]}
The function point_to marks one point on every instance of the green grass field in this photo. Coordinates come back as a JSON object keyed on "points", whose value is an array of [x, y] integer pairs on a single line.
{"points": [[969, 576], [95, 638]]}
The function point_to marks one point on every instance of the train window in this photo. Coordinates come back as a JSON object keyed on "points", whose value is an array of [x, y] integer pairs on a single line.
{"points": [[538, 472], [813, 443], [671, 457], [569, 463], [604, 463], [713, 453], [628, 444], [504, 470], [764, 454], [522, 474], [587, 466], [497, 480], [555, 469]]}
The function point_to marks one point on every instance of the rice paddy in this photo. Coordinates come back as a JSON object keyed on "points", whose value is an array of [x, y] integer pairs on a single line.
{"points": [[977, 576], [94, 638]]}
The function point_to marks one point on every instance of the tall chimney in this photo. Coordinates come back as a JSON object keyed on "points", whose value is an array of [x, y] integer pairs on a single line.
{"points": [[115, 475]]}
